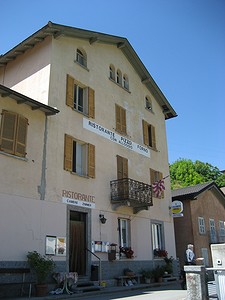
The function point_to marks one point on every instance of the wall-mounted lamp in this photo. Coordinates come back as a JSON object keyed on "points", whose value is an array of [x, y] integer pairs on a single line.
{"points": [[102, 219]]}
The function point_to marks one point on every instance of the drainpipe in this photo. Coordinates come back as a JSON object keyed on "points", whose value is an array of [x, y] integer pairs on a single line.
{"points": [[42, 186]]}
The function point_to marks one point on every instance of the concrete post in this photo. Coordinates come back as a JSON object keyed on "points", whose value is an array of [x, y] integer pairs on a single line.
{"points": [[196, 282]]}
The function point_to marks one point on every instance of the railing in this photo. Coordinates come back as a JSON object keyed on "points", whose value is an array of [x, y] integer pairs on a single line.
{"points": [[132, 193], [100, 266], [218, 283]]}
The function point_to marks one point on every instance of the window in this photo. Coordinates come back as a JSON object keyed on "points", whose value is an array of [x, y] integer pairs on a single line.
{"points": [[125, 82], [201, 225], [154, 177], [212, 230], [121, 119], [80, 97], [119, 77], [149, 138], [148, 103], [222, 228], [124, 232], [81, 57], [13, 134], [79, 157], [112, 72], [221, 231], [157, 236]]}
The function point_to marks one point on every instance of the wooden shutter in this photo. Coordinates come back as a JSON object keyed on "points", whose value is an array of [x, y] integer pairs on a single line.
{"points": [[91, 103], [152, 176], [68, 153], [153, 137], [21, 136], [118, 124], [91, 160], [70, 91], [8, 131], [121, 119], [122, 167], [145, 132]]}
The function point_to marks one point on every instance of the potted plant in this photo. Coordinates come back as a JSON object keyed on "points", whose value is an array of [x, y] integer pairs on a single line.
{"points": [[158, 273], [43, 266], [169, 264], [148, 275]]}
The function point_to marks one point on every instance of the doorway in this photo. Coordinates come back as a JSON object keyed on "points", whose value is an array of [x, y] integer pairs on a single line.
{"points": [[78, 242]]}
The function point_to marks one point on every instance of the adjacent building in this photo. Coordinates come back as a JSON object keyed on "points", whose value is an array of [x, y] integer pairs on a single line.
{"points": [[203, 220], [82, 140]]}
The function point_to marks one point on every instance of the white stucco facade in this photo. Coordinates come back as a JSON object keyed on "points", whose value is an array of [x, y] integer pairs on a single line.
{"points": [[32, 189]]}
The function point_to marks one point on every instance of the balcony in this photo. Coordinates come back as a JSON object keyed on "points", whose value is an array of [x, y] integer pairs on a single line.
{"points": [[132, 193]]}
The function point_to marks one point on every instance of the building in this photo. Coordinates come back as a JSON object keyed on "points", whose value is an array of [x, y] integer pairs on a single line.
{"points": [[82, 179], [203, 221]]}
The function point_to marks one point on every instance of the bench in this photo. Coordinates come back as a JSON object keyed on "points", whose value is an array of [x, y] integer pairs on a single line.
{"points": [[122, 279], [8, 273]]}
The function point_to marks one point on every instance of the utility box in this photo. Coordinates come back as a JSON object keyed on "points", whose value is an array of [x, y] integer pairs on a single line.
{"points": [[218, 258], [218, 255]]}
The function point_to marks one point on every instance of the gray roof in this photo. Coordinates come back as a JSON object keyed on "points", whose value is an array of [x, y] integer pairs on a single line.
{"points": [[20, 98], [191, 191], [56, 30]]}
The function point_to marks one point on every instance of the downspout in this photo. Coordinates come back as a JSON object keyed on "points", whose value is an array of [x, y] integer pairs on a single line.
{"points": [[42, 186]]}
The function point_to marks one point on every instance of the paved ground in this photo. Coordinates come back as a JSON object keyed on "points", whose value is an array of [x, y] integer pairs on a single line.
{"points": [[171, 291]]}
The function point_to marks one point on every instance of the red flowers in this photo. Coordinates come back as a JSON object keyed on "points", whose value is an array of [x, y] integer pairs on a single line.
{"points": [[127, 251], [160, 253]]}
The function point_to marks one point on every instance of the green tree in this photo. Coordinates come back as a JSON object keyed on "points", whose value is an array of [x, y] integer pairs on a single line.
{"points": [[185, 172]]}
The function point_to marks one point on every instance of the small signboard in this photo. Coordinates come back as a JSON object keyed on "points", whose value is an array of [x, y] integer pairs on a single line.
{"points": [[177, 209]]}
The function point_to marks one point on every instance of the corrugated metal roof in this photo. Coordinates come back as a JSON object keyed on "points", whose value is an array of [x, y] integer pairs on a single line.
{"points": [[56, 30]]}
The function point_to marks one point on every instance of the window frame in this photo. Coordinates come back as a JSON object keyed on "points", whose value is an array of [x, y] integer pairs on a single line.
{"points": [[149, 135], [81, 57], [79, 151], [201, 226], [13, 139], [88, 97], [222, 228], [112, 72], [119, 77], [148, 104], [212, 229], [127, 229], [157, 236], [125, 82]]}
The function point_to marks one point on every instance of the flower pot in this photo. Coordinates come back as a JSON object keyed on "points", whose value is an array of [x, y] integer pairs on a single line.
{"points": [[41, 290], [147, 280]]}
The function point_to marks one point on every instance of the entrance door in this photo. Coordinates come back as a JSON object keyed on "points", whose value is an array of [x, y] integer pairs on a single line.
{"points": [[77, 251]]}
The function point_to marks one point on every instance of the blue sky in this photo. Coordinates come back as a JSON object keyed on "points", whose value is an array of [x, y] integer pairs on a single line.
{"points": [[181, 43]]}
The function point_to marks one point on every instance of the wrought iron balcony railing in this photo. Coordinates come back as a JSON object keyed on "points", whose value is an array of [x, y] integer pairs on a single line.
{"points": [[131, 193]]}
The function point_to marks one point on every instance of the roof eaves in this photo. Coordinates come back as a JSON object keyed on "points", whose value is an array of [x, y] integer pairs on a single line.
{"points": [[20, 98]]}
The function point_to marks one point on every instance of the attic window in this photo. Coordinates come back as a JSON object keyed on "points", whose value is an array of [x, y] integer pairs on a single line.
{"points": [[125, 82], [148, 103], [81, 57], [112, 72]]}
